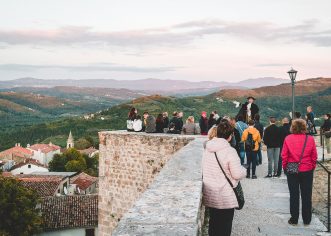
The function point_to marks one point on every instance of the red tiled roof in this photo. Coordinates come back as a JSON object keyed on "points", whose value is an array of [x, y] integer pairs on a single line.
{"points": [[28, 161], [83, 180], [17, 151], [64, 212], [45, 148], [44, 186]]}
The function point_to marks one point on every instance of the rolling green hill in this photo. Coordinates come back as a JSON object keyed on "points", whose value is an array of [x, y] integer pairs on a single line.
{"points": [[270, 103]]}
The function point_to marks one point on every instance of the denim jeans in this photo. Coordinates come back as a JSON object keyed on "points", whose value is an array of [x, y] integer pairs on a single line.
{"points": [[301, 183], [242, 153], [251, 161], [273, 158]]}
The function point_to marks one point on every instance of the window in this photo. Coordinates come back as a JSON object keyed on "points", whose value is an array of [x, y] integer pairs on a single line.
{"points": [[29, 166]]}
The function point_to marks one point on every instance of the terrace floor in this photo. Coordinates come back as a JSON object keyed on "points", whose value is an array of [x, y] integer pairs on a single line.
{"points": [[266, 210]]}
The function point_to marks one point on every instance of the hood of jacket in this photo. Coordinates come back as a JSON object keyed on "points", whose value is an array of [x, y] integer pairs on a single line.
{"points": [[217, 144]]}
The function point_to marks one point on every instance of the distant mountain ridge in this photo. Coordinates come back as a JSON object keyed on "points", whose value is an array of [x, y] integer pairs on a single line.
{"points": [[303, 87], [143, 84]]}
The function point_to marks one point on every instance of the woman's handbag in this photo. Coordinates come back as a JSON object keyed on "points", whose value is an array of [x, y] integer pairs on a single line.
{"points": [[327, 134], [293, 167], [238, 191]]}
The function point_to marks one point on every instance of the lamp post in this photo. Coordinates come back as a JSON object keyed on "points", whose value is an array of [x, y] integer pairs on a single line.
{"points": [[293, 74]]}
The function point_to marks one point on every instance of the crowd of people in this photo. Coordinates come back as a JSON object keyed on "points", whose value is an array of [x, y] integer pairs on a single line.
{"points": [[236, 142]]}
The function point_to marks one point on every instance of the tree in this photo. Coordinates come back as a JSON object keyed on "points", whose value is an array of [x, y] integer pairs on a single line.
{"points": [[82, 143], [58, 163], [18, 212], [76, 165]]}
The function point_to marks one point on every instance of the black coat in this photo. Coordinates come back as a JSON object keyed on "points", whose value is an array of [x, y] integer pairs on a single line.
{"points": [[174, 120], [165, 122], [272, 136], [159, 126], [254, 110], [259, 127], [211, 123], [326, 125], [203, 125], [284, 131]]}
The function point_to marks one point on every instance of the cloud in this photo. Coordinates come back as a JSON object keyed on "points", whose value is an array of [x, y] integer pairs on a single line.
{"points": [[173, 35], [87, 68], [272, 65]]}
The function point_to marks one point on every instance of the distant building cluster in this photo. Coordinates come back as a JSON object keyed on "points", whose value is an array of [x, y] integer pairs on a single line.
{"points": [[69, 201]]}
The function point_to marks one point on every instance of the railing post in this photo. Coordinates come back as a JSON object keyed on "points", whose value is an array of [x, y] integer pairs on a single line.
{"points": [[328, 201]]}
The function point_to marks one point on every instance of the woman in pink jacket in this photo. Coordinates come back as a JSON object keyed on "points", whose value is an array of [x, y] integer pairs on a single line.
{"points": [[218, 195], [303, 181]]}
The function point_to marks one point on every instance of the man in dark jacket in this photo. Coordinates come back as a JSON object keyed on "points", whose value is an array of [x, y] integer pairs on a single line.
{"points": [[175, 121], [249, 109], [311, 120], [284, 131], [271, 139], [260, 128]]}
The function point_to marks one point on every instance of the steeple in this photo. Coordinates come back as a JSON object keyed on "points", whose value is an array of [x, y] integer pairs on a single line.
{"points": [[70, 141]]}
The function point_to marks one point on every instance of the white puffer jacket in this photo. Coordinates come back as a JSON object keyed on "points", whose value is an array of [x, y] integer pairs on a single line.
{"points": [[217, 192]]}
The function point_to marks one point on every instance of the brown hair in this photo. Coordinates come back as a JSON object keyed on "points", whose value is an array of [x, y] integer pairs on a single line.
{"points": [[251, 122], [298, 126], [224, 129]]}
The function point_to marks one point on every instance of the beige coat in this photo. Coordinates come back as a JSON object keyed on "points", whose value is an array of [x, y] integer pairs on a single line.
{"points": [[217, 192]]}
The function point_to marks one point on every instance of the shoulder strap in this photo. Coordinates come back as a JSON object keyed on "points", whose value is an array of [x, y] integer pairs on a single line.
{"points": [[223, 170], [240, 128], [303, 149]]}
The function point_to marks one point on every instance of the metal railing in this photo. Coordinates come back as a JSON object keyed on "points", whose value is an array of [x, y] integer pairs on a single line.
{"points": [[328, 195]]}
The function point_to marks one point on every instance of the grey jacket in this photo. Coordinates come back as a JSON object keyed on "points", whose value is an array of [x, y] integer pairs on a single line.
{"points": [[190, 129], [150, 124]]}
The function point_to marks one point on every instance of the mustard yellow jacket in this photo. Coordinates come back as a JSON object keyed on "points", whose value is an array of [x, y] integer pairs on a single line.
{"points": [[256, 136]]}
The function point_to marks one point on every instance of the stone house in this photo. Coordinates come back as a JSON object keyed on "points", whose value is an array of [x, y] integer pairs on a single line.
{"points": [[17, 154], [75, 215], [85, 184], [44, 153], [28, 167]]}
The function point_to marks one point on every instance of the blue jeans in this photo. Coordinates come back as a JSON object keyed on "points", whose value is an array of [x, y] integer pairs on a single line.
{"points": [[251, 161], [242, 153]]}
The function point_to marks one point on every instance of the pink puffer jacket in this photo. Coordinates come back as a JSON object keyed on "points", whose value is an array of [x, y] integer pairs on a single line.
{"points": [[217, 192]]}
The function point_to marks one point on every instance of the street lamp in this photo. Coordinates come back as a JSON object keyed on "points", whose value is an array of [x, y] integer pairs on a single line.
{"points": [[293, 74]]}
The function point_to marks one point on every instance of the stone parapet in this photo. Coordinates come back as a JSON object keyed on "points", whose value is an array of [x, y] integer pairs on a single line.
{"points": [[135, 197]]}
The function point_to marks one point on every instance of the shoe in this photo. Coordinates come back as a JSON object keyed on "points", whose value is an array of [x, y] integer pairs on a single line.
{"points": [[248, 176], [275, 175], [268, 176], [254, 177], [306, 223], [291, 221]]}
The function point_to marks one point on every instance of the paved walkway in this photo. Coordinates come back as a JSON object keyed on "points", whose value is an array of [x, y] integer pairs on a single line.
{"points": [[267, 209]]}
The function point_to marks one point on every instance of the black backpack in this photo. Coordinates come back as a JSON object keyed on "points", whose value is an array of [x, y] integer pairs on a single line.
{"points": [[249, 144]]}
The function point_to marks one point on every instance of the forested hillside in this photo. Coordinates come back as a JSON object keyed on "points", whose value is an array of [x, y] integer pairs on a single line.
{"points": [[114, 118]]}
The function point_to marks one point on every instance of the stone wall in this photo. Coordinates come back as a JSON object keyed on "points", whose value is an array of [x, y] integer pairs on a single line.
{"points": [[172, 203], [127, 166]]}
